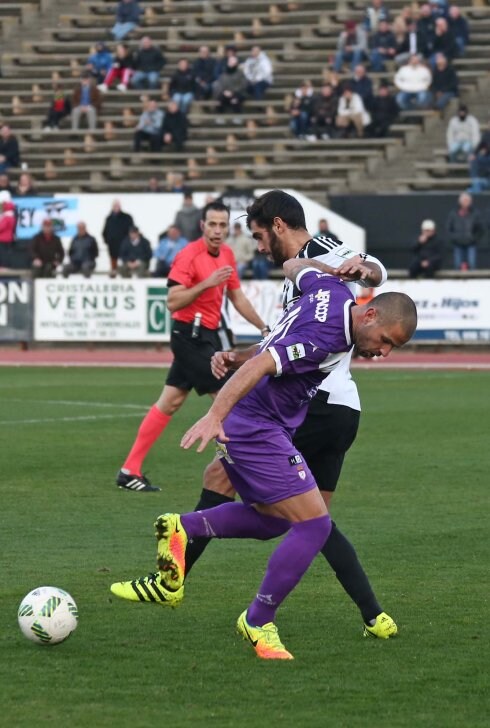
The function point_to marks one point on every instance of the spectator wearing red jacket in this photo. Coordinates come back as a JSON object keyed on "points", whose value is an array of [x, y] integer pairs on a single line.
{"points": [[8, 223]]}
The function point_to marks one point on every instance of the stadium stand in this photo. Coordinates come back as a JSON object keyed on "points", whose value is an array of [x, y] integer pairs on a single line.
{"points": [[49, 41]]}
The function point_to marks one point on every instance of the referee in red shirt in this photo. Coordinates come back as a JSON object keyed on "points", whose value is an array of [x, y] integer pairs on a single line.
{"points": [[200, 276]]}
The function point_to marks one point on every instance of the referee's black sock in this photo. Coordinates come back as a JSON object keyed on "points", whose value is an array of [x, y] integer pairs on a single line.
{"points": [[342, 557], [195, 547]]}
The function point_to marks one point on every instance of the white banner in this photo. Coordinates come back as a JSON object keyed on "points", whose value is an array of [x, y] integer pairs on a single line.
{"points": [[105, 309], [101, 309], [451, 310]]}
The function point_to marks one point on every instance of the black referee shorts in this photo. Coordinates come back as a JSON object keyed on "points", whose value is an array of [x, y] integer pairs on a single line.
{"points": [[324, 437], [191, 368]]}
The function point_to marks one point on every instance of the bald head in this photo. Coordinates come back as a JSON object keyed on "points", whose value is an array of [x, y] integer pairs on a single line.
{"points": [[396, 308], [385, 323]]}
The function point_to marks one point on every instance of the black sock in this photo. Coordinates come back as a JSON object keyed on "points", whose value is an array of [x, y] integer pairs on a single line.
{"points": [[342, 557], [196, 547]]}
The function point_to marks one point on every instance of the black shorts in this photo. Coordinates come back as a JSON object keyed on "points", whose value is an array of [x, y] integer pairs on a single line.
{"points": [[191, 368], [324, 437]]}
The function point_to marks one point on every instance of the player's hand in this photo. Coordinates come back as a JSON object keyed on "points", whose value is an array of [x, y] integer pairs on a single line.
{"points": [[219, 276], [222, 362], [353, 270], [205, 429]]}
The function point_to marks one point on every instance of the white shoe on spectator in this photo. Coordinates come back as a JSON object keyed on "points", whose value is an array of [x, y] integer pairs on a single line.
{"points": [[47, 129], [122, 87], [310, 138], [102, 87]]}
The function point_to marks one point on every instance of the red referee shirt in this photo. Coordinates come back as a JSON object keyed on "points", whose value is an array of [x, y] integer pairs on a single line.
{"points": [[193, 265]]}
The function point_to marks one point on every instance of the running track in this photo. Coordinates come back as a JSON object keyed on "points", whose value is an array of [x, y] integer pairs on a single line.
{"points": [[154, 358]]}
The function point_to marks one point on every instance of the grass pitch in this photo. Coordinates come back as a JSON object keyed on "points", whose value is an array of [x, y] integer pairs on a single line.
{"points": [[413, 499]]}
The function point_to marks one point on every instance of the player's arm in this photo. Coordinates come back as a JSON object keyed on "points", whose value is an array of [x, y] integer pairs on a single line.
{"points": [[245, 309], [238, 386], [295, 266], [224, 361], [179, 296], [363, 269]]}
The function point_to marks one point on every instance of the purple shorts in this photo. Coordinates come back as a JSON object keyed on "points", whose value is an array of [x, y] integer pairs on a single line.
{"points": [[262, 462]]}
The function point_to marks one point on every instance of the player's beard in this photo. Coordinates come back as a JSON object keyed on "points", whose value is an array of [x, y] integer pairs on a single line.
{"points": [[276, 253]]}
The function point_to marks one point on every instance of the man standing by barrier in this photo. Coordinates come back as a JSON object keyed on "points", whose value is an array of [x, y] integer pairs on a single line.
{"points": [[200, 275]]}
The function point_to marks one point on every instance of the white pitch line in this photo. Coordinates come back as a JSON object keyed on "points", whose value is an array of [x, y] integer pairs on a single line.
{"points": [[69, 419], [73, 403]]}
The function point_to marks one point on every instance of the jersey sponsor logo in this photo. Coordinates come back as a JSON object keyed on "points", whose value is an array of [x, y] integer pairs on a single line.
{"points": [[321, 309], [295, 459], [296, 351]]}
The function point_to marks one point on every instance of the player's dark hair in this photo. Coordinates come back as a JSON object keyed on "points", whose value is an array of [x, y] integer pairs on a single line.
{"points": [[276, 203], [398, 307], [217, 206]]}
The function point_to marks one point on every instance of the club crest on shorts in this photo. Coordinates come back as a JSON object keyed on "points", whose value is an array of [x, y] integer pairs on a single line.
{"points": [[302, 474]]}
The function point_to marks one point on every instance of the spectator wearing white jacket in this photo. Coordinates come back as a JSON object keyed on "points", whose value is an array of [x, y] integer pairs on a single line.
{"points": [[413, 81], [258, 72], [462, 135], [351, 112]]}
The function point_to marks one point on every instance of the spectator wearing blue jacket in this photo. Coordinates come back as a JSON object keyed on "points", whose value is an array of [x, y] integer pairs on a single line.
{"points": [[99, 62], [127, 18], [459, 27], [171, 242]]}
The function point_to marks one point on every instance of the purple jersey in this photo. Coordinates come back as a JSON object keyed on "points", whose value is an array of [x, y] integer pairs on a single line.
{"points": [[307, 342]]}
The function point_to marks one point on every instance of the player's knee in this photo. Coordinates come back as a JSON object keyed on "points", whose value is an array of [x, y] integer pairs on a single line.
{"points": [[216, 480]]}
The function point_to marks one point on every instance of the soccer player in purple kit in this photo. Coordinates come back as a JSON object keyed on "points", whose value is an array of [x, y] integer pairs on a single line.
{"points": [[253, 418]]}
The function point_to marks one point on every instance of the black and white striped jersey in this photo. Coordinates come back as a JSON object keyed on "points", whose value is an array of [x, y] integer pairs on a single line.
{"points": [[332, 251]]}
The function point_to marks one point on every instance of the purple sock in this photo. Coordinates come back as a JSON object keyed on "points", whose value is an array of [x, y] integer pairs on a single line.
{"points": [[286, 566], [233, 520]]}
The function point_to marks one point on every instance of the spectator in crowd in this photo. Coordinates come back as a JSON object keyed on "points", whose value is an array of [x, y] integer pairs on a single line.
{"points": [[121, 69], [116, 228], [383, 46], [204, 72], [60, 107], [154, 185], [86, 101], [480, 166], [25, 186], [182, 86], [230, 51], [301, 109], [261, 266], [323, 228], [413, 81], [439, 8], [351, 113], [351, 46], [426, 27], [443, 41], [83, 253], [323, 113], [412, 42], [427, 252], [174, 182], [465, 229], [47, 251], [99, 62], [8, 224], [188, 218], [361, 84], [258, 72], [9, 149], [243, 246], [458, 25], [462, 135], [5, 185], [444, 83], [149, 128], [147, 63], [135, 255], [127, 18], [170, 243], [174, 127], [375, 12], [230, 88], [384, 111]]}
